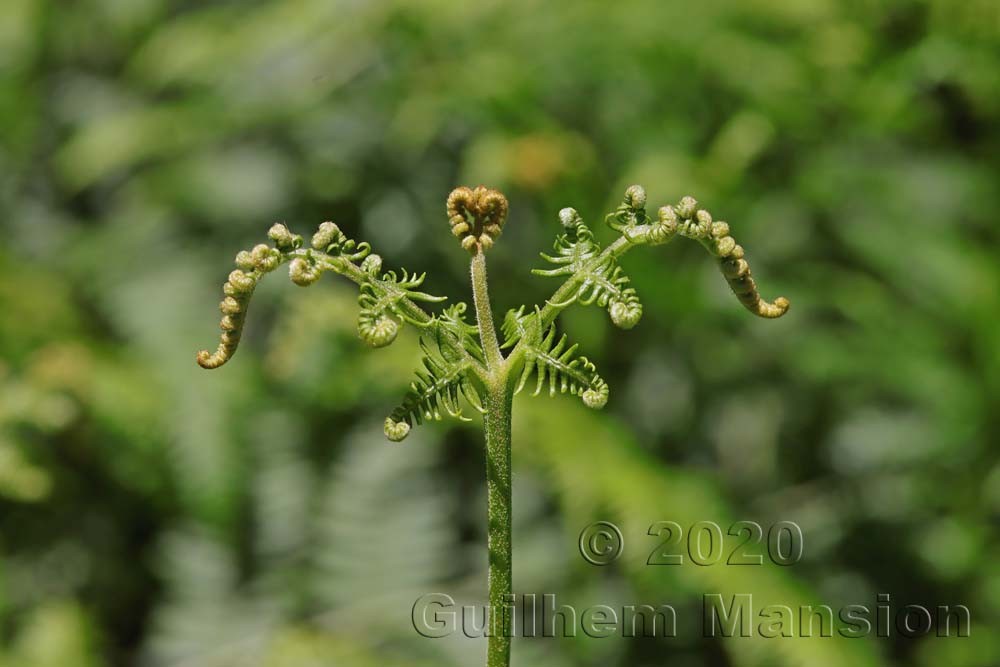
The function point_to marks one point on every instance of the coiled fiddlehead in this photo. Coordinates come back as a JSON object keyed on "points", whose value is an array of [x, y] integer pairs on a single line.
{"points": [[380, 316], [476, 216], [631, 212], [386, 301], [601, 279], [687, 220], [252, 265], [238, 290]]}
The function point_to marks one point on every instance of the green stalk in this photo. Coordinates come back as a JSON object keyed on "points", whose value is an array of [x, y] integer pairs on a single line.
{"points": [[484, 317], [498, 489], [497, 400]]}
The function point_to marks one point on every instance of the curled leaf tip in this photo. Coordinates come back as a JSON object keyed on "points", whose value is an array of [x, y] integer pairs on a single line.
{"points": [[372, 265], [327, 233], [377, 329], [283, 239], [238, 290], [210, 361], [686, 207], [627, 312], [395, 431], [265, 258], [772, 310], [476, 216], [597, 397], [569, 218], [714, 236], [303, 272], [631, 212], [635, 197]]}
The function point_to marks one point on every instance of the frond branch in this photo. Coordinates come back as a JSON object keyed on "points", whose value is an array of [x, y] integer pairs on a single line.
{"points": [[387, 300]]}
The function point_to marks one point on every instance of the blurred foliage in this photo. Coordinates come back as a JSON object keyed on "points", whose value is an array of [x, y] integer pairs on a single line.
{"points": [[155, 514]]}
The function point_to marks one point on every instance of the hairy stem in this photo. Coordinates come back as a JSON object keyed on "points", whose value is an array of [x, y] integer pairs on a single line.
{"points": [[498, 487], [497, 399], [484, 315]]}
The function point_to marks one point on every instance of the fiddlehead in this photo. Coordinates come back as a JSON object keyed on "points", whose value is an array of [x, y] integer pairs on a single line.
{"points": [[251, 265], [381, 316], [600, 279], [687, 220], [385, 301], [631, 212], [476, 216]]}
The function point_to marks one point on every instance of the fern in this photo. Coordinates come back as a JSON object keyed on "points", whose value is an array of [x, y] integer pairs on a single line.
{"points": [[451, 329], [465, 361]]}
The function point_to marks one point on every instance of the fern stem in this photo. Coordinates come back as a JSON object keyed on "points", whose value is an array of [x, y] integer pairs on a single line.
{"points": [[484, 315], [498, 487], [497, 399]]}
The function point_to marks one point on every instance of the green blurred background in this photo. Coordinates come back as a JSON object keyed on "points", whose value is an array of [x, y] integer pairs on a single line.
{"points": [[155, 514]]}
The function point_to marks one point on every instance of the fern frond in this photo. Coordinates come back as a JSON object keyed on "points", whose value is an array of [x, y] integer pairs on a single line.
{"points": [[573, 248], [332, 241], [630, 213], [452, 321], [386, 301], [514, 326], [554, 363], [380, 316], [439, 387], [601, 279], [251, 265], [687, 220]]}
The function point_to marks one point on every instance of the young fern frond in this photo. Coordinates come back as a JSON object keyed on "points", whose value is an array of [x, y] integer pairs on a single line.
{"points": [[380, 316], [514, 326], [439, 387], [552, 360], [385, 301], [452, 321], [251, 266], [631, 212], [466, 361], [600, 279], [688, 221]]}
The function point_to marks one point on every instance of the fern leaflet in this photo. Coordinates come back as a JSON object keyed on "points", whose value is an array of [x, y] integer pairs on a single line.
{"points": [[553, 361], [601, 279], [440, 386]]}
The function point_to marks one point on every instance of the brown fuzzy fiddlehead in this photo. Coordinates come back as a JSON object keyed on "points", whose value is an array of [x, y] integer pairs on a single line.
{"points": [[476, 216]]}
